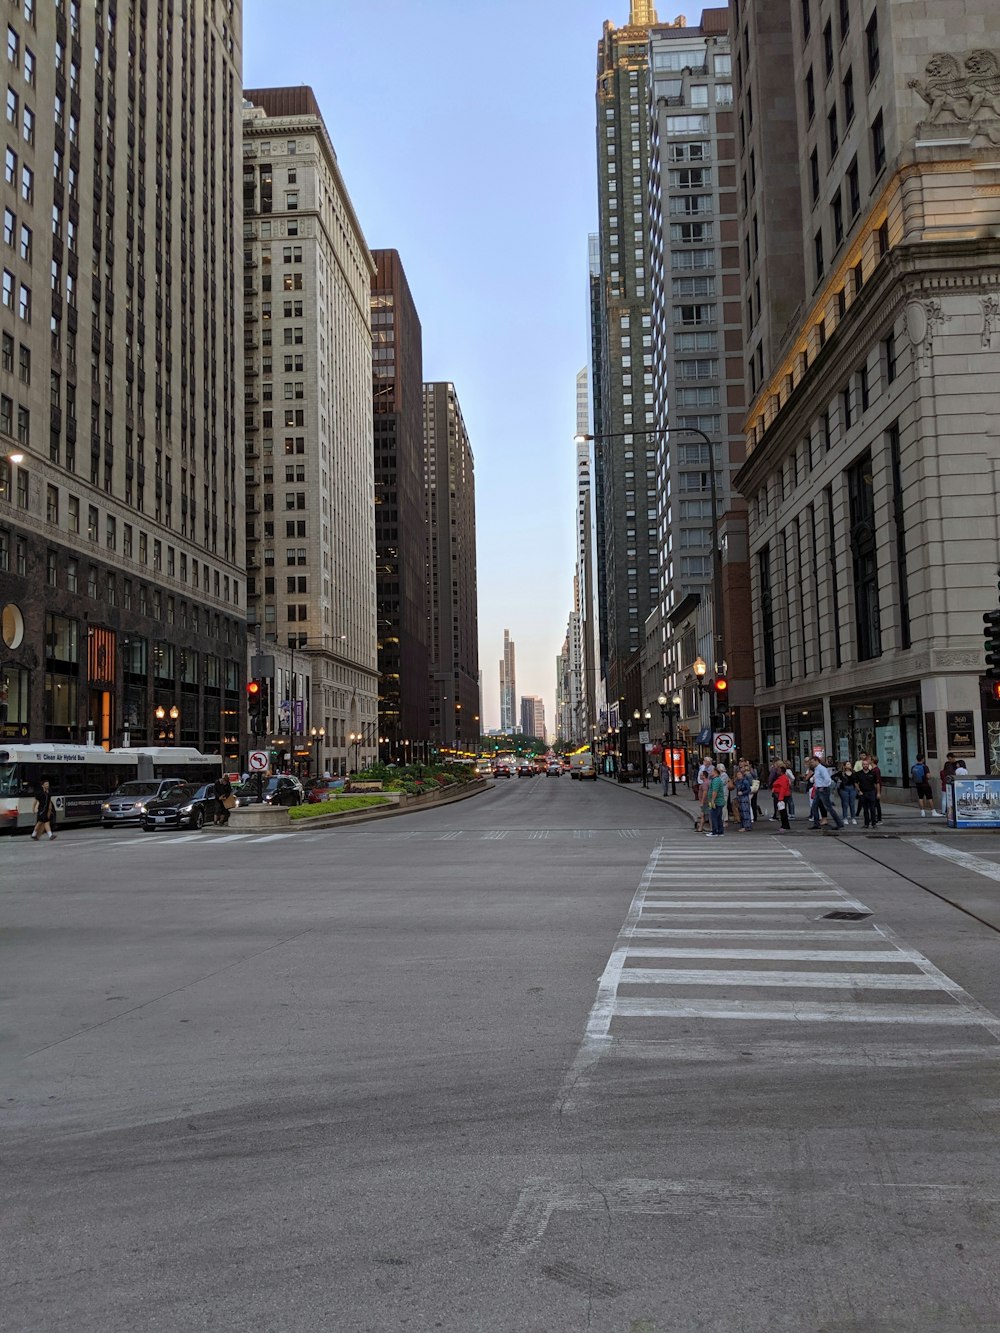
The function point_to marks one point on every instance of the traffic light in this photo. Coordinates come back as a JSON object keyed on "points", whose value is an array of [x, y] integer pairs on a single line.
{"points": [[995, 690], [991, 644], [253, 706], [264, 704], [721, 687]]}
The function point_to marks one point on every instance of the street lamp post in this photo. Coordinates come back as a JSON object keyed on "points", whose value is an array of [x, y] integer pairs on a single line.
{"points": [[714, 499], [355, 739], [673, 713], [318, 734], [638, 717]]}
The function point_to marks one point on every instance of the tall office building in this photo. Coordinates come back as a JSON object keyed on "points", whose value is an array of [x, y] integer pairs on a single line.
{"points": [[400, 509], [450, 489], [508, 685], [121, 542], [868, 139], [697, 341], [532, 716], [307, 276], [585, 583], [623, 403]]}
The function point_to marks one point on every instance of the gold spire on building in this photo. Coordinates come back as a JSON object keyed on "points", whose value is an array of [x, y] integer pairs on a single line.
{"points": [[643, 14]]}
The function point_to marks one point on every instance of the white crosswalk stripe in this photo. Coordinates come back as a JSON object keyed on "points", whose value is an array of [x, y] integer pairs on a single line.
{"points": [[712, 933]]}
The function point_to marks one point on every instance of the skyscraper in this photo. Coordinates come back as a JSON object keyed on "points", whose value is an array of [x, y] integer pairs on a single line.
{"points": [[623, 404], [508, 685], [400, 507], [869, 250], [310, 470], [121, 541], [451, 564], [532, 716]]}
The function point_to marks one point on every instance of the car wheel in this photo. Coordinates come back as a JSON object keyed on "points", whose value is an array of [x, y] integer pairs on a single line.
{"points": [[198, 819]]}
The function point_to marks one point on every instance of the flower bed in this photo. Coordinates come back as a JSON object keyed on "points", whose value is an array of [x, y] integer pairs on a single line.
{"points": [[335, 807]]}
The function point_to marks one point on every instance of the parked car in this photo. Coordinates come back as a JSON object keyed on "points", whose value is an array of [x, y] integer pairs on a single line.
{"points": [[127, 803], [245, 792], [284, 789], [322, 791], [181, 805], [554, 771]]}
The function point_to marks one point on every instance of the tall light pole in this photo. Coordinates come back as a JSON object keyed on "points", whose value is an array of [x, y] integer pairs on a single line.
{"points": [[317, 734], [714, 496], [673, 713]]}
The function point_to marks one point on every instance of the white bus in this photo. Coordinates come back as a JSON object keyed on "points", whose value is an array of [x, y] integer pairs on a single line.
{"points": [[82, 777]]}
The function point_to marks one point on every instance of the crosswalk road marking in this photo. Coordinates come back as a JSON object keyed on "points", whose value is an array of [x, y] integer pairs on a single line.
{"points": [[712, 957]]}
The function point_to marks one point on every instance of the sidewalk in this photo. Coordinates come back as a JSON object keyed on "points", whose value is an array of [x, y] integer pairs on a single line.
{"points": [[898, 820]]}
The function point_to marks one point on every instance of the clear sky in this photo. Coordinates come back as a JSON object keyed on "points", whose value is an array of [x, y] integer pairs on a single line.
{"points": [[465, 133]]}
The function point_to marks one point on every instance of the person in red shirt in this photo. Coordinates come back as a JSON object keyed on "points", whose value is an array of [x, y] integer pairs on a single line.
{"points": [[781, 789]]}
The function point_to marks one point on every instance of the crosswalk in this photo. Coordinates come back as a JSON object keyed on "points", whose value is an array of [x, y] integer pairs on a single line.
{"points": [[734, 952]]}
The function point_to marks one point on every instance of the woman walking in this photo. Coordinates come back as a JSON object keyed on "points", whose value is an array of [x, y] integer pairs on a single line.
{"points": [[781, 790], [744, 796], [44, 812], [704, 793]]}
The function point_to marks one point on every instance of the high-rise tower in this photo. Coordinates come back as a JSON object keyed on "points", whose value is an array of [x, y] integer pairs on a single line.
{"points": [[121, 538], [508, 686]]}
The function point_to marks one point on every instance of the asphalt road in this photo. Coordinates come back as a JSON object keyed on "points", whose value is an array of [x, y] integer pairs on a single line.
{"points": [[542, 1060]]}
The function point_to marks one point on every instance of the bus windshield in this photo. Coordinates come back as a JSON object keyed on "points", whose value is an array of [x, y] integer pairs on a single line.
{"points": [[10, 780]]}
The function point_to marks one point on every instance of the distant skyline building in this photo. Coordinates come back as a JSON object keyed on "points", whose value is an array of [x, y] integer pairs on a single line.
{"points": [[307, 274], [623, 392], [400, 508], [533, 716], [508, 685], [450, 492]]}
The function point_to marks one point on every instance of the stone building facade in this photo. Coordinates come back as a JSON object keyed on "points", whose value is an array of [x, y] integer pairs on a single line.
{"points": [[307, 345], [121, 541], [873, 436]]}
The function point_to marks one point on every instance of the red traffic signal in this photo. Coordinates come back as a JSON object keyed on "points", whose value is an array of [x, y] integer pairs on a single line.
{"points": [[253, 690], [721, 686], [995, 689]]}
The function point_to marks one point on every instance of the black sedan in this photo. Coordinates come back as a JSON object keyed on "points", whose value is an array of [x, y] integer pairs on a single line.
{"points": [[181, 807], [284, 789]]}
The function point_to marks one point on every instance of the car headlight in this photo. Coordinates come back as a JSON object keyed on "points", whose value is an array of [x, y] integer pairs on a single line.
{"points": [[140, 807], [106, 806], [186, 809]]}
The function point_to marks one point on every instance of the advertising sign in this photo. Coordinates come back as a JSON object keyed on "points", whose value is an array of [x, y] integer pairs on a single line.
{"points": [[974, 803]]}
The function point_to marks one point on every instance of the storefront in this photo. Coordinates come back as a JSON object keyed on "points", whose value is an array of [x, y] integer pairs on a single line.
{"points": [[805, 735], [889, 729]]}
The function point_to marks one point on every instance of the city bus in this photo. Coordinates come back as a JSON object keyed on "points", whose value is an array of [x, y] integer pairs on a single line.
{"points": [[82, 777]]}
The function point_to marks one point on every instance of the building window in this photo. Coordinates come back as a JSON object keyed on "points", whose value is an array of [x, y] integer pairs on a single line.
{"points": [[834, 137], [861, 496], [838, 222], [878, 144], [848, 86], [52, 504], [863, 386], [890, 358], [828, 48], [898, 516], [871, 46], [810, 94], [766, 614], [854, 188], [814, 173], [818, 250], [846, 416]]}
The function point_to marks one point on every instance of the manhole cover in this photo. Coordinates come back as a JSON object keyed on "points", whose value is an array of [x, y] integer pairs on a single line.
{"points": [[845, 916]]}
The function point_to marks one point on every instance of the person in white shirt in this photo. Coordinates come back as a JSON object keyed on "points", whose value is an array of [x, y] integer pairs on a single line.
{"points": [[823, 783]]}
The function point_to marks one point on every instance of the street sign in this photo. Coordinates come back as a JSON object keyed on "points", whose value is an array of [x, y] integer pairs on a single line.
{"points": [[643, 737], [258, 761], [724, 742]]}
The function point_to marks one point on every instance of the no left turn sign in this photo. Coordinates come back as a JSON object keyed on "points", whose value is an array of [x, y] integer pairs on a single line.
{"points": [[258, 761]]}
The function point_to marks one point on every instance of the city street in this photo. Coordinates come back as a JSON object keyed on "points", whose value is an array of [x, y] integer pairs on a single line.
{"points": [[540, 1060]]}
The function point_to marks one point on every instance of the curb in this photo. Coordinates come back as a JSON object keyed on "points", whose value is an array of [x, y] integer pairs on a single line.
{"points": [[413, 806]]}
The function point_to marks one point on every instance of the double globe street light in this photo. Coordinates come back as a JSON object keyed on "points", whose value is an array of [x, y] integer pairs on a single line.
{"points": [[673, 712]]}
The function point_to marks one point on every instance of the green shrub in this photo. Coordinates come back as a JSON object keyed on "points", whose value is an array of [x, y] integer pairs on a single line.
{"points": [[337, 806]]}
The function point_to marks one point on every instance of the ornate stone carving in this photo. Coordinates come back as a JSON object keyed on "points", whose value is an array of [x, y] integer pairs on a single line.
{"points": [[990, 306], [964, 91], [945, 659], [922, 321]]}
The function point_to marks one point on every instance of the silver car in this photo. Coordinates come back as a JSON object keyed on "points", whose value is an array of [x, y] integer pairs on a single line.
{"points": [[127, 803]]}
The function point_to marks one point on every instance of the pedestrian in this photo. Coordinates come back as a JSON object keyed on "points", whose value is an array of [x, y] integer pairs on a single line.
{"points": [[868, 790], [772, 777], [814, 811], [848, 787], [878, 795], [823, 787], [754, 789], [781, 789], [706, 774], [790, 798], [744, 797], [223, 791], [44, 812], [4, 697], [718, 795], [947, 776], [728, 784], [921, 776]]}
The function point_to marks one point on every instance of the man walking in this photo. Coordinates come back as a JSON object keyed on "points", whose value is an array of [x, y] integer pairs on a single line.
{"points": [[718, 796], [823, 783]]}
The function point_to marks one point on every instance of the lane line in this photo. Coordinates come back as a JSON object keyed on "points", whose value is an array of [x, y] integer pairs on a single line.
{"points": [[989, 869], [787, 955]]}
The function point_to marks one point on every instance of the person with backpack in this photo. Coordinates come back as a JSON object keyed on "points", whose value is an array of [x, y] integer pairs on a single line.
{"points": [[921, 776]]}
